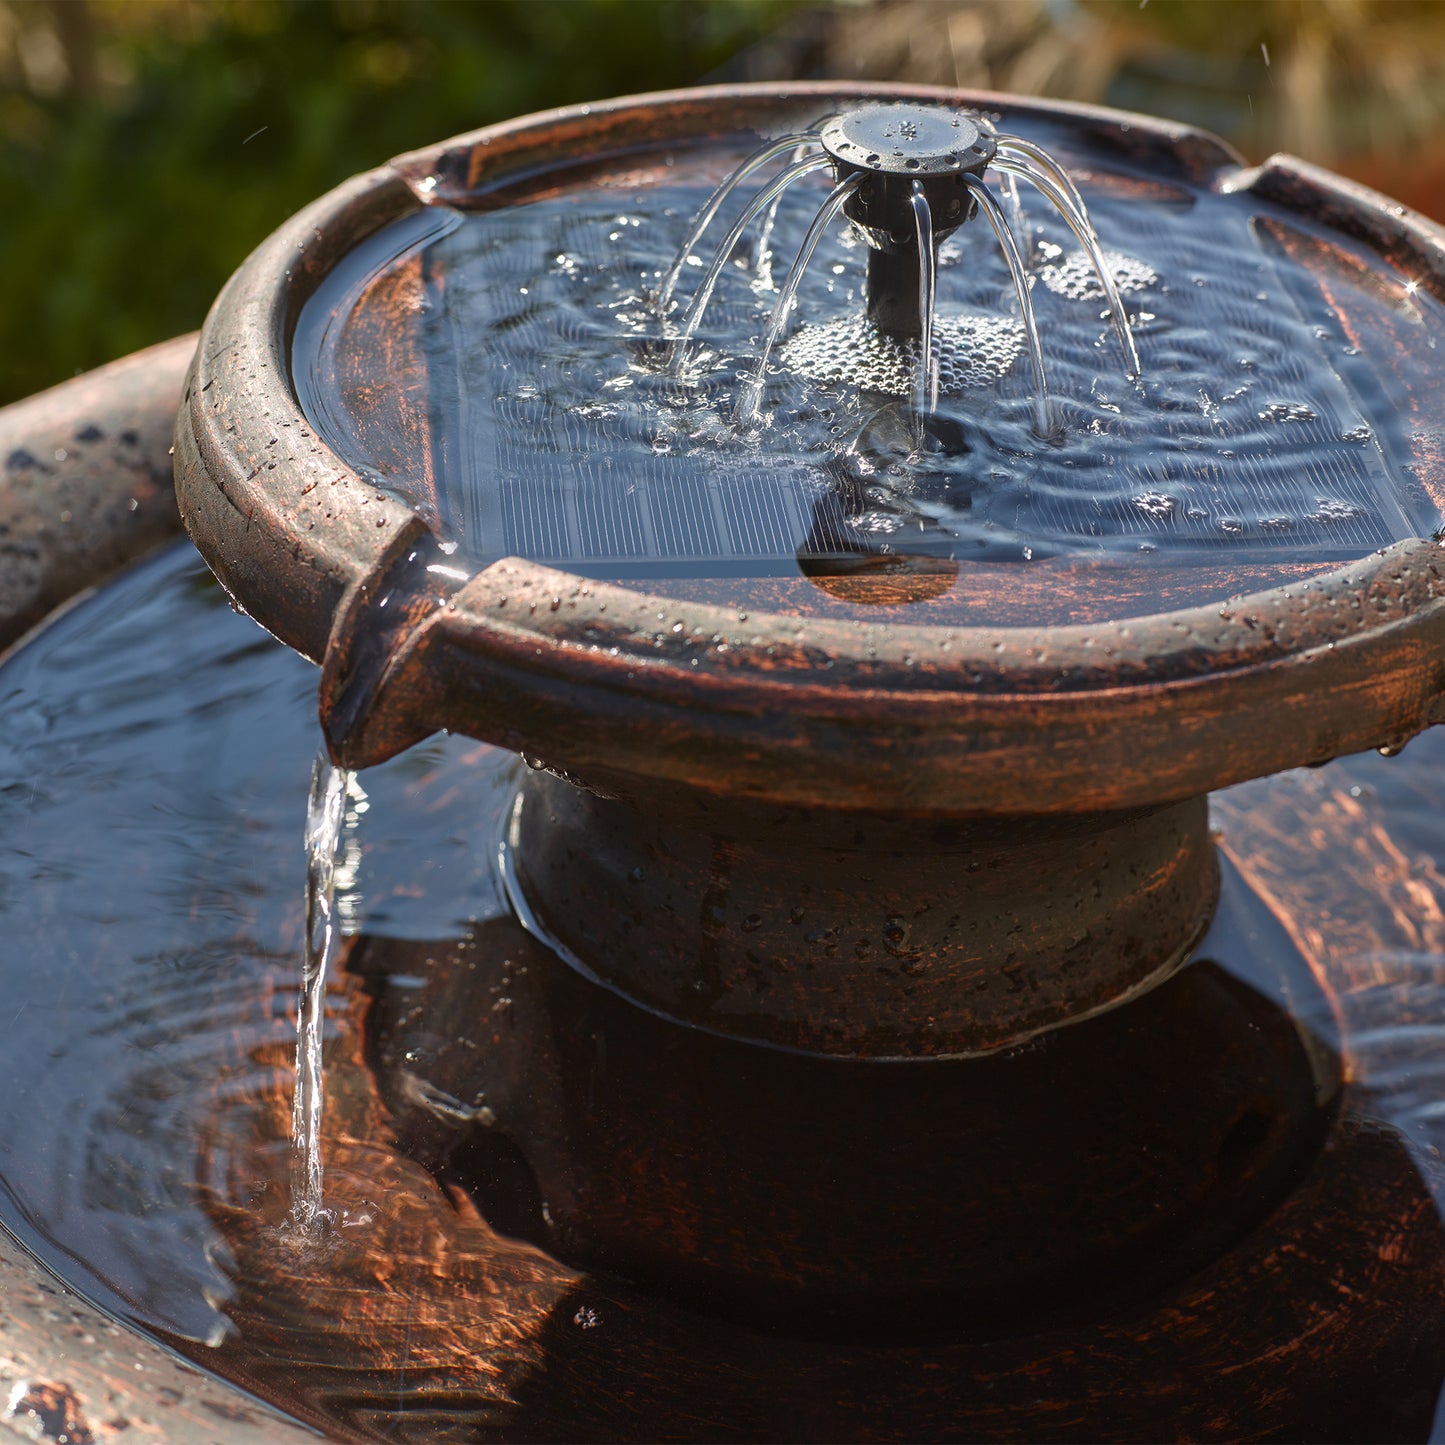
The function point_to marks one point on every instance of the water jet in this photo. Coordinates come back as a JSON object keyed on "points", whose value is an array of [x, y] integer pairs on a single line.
{"points": [[871, 1001]]}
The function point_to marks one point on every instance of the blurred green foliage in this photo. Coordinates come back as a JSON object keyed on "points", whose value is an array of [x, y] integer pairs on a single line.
{"points": [[147, 145]]}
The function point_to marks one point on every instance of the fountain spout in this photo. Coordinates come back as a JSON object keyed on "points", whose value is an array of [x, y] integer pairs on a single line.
{"points": [[896, 151], [906, 176]]}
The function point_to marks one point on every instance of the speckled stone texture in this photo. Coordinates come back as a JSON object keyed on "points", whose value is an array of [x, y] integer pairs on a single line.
{"points": [[85, 480]]}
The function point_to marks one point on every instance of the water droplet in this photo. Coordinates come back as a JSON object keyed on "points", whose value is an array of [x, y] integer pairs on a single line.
{"points": [[1156, 504], [1288, 411]]}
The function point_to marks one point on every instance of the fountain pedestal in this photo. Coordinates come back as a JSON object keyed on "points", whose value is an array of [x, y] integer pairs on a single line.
{"points": [[837, 1197], [857, 934]]}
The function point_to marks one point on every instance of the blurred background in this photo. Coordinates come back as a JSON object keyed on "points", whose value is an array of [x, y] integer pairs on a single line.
{"points": [[147, 145]]}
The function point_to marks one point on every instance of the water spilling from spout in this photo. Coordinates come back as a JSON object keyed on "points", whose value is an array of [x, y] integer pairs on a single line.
{"points": [[325, 822]]}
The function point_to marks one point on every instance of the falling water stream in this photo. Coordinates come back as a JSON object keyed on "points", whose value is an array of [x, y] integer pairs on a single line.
{"points": [[326, 819]]}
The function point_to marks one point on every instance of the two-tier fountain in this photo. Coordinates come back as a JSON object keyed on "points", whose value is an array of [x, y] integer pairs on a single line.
{"points": [[876, 1041]]}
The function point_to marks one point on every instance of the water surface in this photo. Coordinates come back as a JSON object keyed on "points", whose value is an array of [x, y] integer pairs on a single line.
{"points": [[1272, 428]]}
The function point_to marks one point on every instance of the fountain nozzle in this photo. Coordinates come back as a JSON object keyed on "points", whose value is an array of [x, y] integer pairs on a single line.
{"points": [[894, 146], [906, 175], [901, 153]]}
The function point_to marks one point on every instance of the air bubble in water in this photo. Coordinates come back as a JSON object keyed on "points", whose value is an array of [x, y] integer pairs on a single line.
{"points": [[1075, 278], [973, 351], [1288, 411]]}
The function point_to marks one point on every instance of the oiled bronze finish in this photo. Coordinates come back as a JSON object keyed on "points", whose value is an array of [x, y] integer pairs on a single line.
{"points": [[658, 701], [612, 685], [862, 935]]}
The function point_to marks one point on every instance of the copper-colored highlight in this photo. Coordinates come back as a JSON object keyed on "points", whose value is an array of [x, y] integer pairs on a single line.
{"points": [[888, 581]]}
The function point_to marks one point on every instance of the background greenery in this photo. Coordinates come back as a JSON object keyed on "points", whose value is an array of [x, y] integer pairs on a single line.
{"points": [[147, 145]]}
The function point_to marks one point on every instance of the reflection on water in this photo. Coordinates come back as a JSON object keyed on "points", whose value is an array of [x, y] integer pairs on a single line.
{"points": [[154, 749]]}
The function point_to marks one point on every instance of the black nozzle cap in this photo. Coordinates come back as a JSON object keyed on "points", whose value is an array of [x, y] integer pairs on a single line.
{"points": [[893, 145]]}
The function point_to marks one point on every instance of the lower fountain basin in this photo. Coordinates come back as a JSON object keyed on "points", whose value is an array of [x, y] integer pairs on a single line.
{"points": [[1311, 1317]]}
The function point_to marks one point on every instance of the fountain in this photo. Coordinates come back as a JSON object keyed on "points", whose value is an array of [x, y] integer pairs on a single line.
{"points": [[898, 166], [866, 1034]]}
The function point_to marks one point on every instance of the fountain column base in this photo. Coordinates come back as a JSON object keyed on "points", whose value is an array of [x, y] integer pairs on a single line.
{"points": [[892, 291], [861, 935]]}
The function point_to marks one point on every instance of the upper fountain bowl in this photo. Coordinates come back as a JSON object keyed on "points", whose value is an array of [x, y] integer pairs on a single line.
{"points": [[1058, 673]]}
